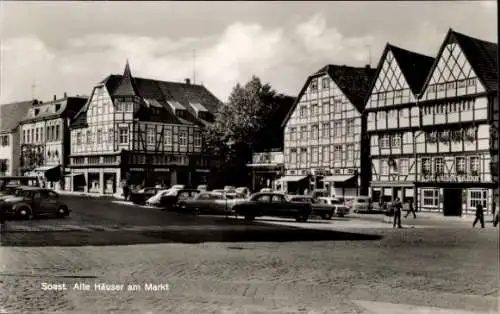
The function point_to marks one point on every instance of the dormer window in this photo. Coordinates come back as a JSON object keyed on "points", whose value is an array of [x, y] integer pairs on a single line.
{"points": [[201, 111], [36, 112], [177, 108], [58, 106]]}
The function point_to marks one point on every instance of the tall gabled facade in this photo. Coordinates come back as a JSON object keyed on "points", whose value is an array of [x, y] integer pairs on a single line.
{"points": [[394, 122], [142, 131], [45, 142], [325, 138], [458, 148]]}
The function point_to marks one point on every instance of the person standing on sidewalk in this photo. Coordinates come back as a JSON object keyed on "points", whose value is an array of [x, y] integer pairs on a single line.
{"points": [[411, 209], [397, 213], [479, 216]]}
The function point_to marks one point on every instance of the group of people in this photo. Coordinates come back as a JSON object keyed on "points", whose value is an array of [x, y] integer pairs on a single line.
{"points": [[397, 207]]}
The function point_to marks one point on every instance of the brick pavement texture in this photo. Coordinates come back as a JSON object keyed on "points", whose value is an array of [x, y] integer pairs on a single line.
{"points": [[447, 268]]}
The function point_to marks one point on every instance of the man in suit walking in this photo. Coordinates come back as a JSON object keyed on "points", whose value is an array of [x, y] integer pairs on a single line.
{"points": [[479, 216], [397, 213], [411, 209]]}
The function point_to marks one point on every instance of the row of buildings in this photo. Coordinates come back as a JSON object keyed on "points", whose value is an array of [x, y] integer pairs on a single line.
{"points": [[419, 128], [137, 130]]}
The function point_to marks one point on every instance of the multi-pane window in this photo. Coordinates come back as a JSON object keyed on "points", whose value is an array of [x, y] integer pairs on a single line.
{"points": [[384, 167], [41, 135], [314, 110], [337, 154], [350, 126], [326, 107], [396, 141], [123, 133], [337, 128], [426, 165], [314, 132], [130, 106], [293, 156], [5, 140], [325, 131], [477, 197], [78, 138], [99, 136], [325, 83], [303, 111], [24, 136], [326, 154], [36, 135], [430, 197], [167, 140], [151, 136], [384, 141], [350, 152], [381, 116], [183, 138], [303, 133], [314, 154], [460, 165], [89, 137], [197, 139], [403, 166], [474, 165], [111, 135], [438, 166], [57, 132], [293, 134], [303, 155], [119, 106], [338, 106], [314, 84]]}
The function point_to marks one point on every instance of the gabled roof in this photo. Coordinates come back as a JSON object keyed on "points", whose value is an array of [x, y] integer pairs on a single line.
{"points": [[481, 54], [157, 97], [11, 114], [67, 108], [354, 82]]}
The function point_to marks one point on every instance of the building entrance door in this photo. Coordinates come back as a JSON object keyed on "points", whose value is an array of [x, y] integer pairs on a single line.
{"points": [[452, 202]]}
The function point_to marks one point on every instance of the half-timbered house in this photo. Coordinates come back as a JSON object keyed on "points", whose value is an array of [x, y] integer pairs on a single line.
{"points": [[325, 142], [142, 131], [44, 137], [457, 149], [393, 122]]}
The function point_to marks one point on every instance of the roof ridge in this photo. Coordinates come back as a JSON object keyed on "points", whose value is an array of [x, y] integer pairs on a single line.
{"points": [[474, 38], [391, 46]]}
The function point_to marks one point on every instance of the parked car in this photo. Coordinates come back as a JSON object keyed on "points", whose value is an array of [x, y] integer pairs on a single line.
{"points": [[210, 203], [319, 193], [243, 191], [140, 196], [156, 199], [177, 187], [171, 200], [272, 204], [319, 207], [360, 204], [340, 209], [30, 202], [202, 187], [266, 190]]}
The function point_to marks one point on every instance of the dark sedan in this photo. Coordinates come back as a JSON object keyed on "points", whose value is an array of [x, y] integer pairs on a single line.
{"points": [[272, 204]]}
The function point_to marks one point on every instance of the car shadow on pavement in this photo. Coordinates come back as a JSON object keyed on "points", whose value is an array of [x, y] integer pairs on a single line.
{"points": [[233, 231]]}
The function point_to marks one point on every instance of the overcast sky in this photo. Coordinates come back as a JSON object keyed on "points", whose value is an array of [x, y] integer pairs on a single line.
{"points": [[69, 46]]}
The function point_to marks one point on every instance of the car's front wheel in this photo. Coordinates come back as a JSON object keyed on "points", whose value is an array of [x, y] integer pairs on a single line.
{"points": [[25, 213], [62, 211]]}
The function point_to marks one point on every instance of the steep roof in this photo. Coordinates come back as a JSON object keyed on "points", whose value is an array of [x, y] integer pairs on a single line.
{"points": [[481, 54], [67, 107], [354, 82], [158, 98], [11, 114], [415, 66]]}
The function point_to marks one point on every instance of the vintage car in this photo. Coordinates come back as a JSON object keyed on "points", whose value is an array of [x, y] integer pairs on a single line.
{"points": [[172, 198], [30, 202], [211, 203], [340, 209], [272, 204], [360, 204], [243, 191], [140, 196], [319, 207]]}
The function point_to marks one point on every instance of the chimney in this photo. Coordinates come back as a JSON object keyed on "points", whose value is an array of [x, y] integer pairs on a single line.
{"points": [[55, 97], [188, 81], [65, 95]]}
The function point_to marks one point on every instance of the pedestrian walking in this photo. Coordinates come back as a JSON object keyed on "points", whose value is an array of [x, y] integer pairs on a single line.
{"points": [[479, 216], [397, 213], [411, 209]]}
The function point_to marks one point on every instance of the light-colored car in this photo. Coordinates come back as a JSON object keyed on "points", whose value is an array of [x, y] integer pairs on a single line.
{"points": [[156, 199], [266, 190], [340, 209], [243, 191], [360, 204], [177, 187]]}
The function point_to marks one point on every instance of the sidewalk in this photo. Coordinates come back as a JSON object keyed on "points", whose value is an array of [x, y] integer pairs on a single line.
{"points": [[92, 195], [469, 218]]}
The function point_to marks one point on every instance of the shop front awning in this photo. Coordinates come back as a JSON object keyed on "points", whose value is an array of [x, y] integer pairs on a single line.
{"points": [[45, 168], [292, 178], [337, 178]]}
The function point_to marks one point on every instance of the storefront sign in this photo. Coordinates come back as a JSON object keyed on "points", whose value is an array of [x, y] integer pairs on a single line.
{"points": [[450, 178]]}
